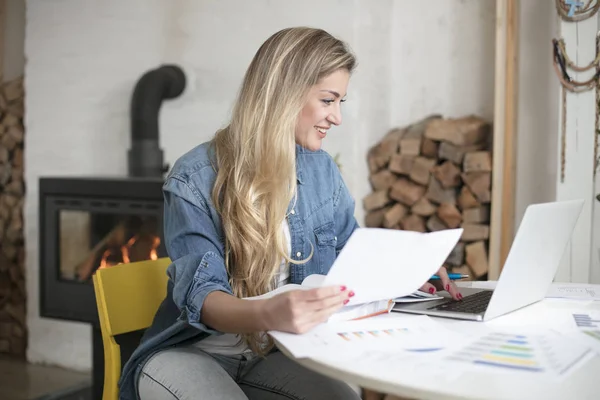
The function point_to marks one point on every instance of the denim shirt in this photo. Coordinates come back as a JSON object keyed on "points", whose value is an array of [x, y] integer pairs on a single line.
{"points": [[321, 219]]}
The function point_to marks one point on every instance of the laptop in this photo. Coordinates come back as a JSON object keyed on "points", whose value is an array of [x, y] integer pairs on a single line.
{"points": [[528, 272]]}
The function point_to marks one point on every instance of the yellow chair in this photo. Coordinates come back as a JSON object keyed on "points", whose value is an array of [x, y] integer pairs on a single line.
{"points": [[127, 297]]}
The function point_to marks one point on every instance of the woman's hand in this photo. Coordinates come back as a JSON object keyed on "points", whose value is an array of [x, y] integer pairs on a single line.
{"points": [[298, 311], [444, 283]]}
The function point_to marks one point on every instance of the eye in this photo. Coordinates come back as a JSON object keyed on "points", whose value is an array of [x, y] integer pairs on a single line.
{"points": [[331, 101]]}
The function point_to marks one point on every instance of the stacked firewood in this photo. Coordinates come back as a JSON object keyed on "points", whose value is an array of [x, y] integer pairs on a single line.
{"points": [[434, 175], [13, 329]]}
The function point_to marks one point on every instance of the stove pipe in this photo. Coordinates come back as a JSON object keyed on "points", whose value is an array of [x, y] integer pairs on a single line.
{"points": [[145, 158]]}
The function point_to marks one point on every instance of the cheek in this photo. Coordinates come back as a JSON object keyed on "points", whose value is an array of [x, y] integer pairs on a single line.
{"points": [[312, 115], [303, 125]]}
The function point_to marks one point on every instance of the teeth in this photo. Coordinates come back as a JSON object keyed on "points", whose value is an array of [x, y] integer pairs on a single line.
{"points": [[323, 131]]}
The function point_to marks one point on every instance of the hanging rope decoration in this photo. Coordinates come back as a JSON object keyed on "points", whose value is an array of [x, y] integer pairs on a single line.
{"points": [[575, 11], [562, 63]]}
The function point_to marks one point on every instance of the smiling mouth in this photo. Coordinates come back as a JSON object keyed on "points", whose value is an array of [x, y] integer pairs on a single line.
{"points": [[322, 131]]}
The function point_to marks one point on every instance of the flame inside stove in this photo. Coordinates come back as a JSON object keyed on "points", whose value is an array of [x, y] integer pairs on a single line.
{"points": [[134, 250]]}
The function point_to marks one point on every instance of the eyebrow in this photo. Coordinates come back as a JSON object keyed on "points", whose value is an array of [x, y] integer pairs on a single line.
{"points": [[333, 92]]}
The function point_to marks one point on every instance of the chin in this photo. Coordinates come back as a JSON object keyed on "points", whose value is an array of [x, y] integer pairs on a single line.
{"points": [[314, 146], [311, 143]]}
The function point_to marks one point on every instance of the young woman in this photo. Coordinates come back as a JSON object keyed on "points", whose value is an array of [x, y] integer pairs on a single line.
{"points": [[257, 207]]}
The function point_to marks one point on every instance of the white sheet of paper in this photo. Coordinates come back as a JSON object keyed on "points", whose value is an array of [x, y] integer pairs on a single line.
{"points": [[385, 334], [313, 281], [590, 338], [575, 291], [421, 294], [409, 299], [367, 310], [381, 263], [402, 366], [524, 350], [584, 326], [581, 291]]}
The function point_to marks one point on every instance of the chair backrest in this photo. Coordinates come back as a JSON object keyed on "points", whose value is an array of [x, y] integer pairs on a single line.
{"points": [[127, 297]]}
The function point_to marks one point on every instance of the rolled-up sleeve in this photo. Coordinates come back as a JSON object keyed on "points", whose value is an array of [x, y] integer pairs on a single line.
{"points": [[195, 248]]}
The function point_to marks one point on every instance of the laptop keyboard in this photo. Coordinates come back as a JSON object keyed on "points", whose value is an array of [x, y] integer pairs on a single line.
{"points": [[475, 303]]}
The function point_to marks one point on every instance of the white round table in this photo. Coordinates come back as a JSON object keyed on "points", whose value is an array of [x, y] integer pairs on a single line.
{"points": [[581, 382]]}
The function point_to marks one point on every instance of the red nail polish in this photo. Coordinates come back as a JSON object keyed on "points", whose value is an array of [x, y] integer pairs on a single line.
{"points": [[342, 288], [448, 287], [346, 301], [460, 296], [351, 294], [431, 290]]}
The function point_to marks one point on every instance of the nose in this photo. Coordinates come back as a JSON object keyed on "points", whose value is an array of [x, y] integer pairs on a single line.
{"points": [[336, 116]]}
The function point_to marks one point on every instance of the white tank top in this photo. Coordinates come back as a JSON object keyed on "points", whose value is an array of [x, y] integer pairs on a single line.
{"points": [[229, 343]]}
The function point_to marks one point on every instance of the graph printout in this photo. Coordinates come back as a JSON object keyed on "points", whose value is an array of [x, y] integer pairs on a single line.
{"points": [[546, 352], [588, 324], [587, 320], [418, 333]]}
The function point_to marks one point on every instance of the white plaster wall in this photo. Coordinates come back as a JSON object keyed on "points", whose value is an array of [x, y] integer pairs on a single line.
{"points": [[83, 59], [443, 59], [369, 106], [580, 261]]}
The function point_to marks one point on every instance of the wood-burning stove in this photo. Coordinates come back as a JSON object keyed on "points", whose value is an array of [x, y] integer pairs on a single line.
{"points": [[90, 223]]}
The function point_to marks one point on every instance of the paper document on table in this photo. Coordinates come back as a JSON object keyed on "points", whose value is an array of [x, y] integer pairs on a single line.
{"points": [[316, 280], [387, 334], [346, 313], [365, 310], [380, 264], [578, 291], [384, 365], [416, 297], [539, 352], [585, 327], [582, 291]]}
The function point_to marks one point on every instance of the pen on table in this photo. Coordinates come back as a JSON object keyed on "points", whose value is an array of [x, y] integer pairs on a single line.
{"points": [[451, 276]]}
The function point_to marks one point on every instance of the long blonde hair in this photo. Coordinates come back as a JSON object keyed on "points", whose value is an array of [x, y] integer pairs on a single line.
{"points": [[255, 155]]}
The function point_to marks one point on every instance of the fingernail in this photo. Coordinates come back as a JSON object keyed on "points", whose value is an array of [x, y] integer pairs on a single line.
{"points": [[431, 290], [351, 294], [346, 301], [342, 288], [460, 296], [447, 286]]}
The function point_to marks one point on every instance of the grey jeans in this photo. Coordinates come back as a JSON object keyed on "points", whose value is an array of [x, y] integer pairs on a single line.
{"points": [[190, 373]]}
